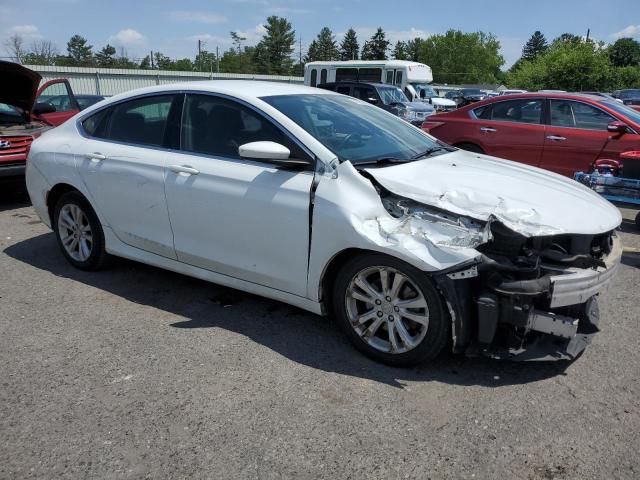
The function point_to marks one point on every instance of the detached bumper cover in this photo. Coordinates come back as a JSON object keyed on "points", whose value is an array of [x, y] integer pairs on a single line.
{"points": [[578, 285]]}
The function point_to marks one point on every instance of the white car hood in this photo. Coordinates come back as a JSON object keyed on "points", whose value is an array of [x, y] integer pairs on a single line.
{"points": [[444, 102], [528, 200]]}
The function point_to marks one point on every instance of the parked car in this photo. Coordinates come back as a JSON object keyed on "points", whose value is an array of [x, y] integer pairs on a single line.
{"points": [[511, 91], [630, 97], [427, 93], [465, 96], [564, 133], [387, 97], [605, 95], [331, 204], [25, 113], [85, 101]]}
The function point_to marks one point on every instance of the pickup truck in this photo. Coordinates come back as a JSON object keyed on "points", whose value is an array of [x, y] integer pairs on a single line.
{"points": [[27, 111]]}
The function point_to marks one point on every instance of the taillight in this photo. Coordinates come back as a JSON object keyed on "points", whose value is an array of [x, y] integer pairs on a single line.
{"points": [[429, 125]]}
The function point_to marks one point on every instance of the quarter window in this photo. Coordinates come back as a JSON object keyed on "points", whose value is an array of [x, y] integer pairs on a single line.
{"points": [[216, 126], [567, 113]]}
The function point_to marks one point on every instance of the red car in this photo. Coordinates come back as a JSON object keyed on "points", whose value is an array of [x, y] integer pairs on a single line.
{"points": [[26, 111], [561, 132]]}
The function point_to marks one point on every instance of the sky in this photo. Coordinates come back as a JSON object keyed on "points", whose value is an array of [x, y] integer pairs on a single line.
{"points": [[174, 27]]}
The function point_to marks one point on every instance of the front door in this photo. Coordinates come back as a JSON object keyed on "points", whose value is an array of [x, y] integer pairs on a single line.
{"points": [[243, 218], [575, 137], [58, 94], [122, 163]]}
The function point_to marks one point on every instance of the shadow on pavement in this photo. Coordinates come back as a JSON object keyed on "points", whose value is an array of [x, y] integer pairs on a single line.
{"points": [[13, 194], [302, 337]]}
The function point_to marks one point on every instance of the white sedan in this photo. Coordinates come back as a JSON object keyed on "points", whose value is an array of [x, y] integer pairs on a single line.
{"points": [[335, 206]]}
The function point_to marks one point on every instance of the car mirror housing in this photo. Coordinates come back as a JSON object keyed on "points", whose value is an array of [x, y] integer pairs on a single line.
{"points": [[43, 107], [617, 127], [264, 151]]}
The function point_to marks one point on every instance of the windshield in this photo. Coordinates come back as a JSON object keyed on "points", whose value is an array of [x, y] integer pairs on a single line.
{"points": [[630, 93], [628, 112], [428, 90], [391, 95], [353, 130], [10, 115]]}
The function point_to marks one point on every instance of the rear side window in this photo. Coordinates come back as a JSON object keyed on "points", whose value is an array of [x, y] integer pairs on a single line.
{"points": [[343, 90], [142, 121], [521, 111], [346, 74], [364, 93]]}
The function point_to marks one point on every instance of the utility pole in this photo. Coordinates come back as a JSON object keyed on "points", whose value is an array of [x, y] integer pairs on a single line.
{"points": [[588, 32], [300, 50], [151, 58], [217, 60], [199, 55]]}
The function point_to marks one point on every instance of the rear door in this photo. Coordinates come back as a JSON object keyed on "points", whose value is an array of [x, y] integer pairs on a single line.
{"points": [[576, 135], [512, 129], [57, 93]]}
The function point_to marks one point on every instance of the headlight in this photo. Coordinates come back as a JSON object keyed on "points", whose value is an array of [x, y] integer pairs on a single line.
{"points": [[408, 115]]}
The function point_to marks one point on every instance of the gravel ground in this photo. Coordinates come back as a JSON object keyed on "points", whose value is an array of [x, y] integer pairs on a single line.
{"points": [[135, 372]]}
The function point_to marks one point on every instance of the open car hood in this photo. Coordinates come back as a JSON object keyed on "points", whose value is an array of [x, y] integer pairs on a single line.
{"points": [[528, 200], [18, 85]]}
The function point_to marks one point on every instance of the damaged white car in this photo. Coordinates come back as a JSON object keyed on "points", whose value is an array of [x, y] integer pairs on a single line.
{"points": [[335, 206]]}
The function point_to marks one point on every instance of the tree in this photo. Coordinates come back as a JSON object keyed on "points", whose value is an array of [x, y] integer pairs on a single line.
{"points": [[145, 63], [15, 47], [400, 51], [105, 58], [324, 47], [457, 57], [567, 65], [43, 52], [205, 61], [625, 52], [376, 47], [312, 52], [79, 53], [237, 40], [413, 49], [349, 47], [535, 46], [273, 52], [567, 38]]}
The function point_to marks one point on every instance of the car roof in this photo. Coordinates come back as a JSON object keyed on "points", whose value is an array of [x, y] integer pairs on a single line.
{"points": [[240, 88], [532, 95]]}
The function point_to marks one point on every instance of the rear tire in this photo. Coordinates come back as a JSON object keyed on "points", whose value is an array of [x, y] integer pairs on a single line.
{"points": [[79, 232], [470, 147], [402, 323]]}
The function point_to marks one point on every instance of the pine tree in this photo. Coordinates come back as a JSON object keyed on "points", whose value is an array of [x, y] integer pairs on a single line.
{"points": [[376, 48], [312, 52], [535, 46], [273, 53], [413, 49], [80, 53], [105, 58], [400, 51], [327, 47], [349, 47]]}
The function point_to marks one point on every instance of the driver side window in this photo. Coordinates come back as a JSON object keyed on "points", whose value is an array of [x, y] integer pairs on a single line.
{"points": [[216, 126], [58, 96]]}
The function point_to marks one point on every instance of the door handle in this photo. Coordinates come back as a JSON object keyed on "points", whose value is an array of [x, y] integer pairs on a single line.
{"points": [[188, 169], [96, 157], [556, 138], [487, 129]]}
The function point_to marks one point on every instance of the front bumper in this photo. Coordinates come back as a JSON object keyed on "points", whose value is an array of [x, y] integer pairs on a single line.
{"points": [[12, 170]]}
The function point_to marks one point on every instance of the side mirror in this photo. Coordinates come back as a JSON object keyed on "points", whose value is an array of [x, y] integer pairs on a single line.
{"points": [[372, 100], [271, 152], [43, 107], [422, 94], [431, 100], [617, 127]]}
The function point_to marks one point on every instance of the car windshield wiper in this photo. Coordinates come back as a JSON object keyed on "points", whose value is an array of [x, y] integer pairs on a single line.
{"points": [[384, 161], [431, 151]]}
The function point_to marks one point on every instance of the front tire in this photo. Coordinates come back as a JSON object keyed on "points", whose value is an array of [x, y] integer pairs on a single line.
{"points": [[390, 310], [470, 147], [79, 232]]}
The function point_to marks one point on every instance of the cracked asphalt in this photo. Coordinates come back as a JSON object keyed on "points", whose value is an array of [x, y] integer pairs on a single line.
{"points": [[135, 372]]}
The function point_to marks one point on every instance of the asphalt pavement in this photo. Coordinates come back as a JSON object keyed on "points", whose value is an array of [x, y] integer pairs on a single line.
{"points": [[135, 372]]}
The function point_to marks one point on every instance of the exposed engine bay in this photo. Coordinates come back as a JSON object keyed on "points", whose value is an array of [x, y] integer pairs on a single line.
{"points": [[521, 297]]}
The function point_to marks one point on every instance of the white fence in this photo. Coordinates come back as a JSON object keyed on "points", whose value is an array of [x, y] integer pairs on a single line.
{"points": [[108, 81]]}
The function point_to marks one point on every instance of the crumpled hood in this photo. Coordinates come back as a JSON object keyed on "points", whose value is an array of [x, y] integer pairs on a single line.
{"points": [[418, 106], [446, 102], [18, 85], [528, 200]]}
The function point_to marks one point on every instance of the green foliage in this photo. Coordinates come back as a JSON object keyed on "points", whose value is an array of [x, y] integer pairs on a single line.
{"points": [[233, 61], [625, 52], [105, 58], [535, 46], [205, 61], [458, 57], [567, 65], [413, 49], [400, 51], [272, 55], [376, 47], [625, 77], [349, 47], [79, 52]]}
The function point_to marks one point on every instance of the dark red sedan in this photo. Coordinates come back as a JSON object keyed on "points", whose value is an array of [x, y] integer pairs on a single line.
{"points": [[561, 132]]}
